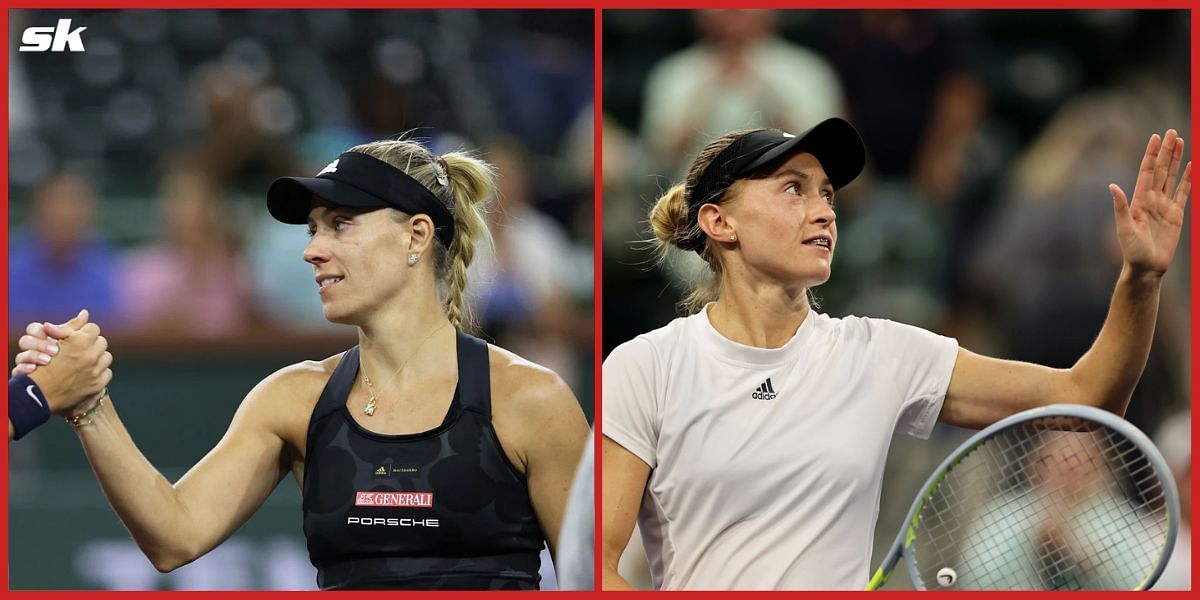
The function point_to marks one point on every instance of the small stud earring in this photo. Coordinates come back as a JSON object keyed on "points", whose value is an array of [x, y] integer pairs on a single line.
{"points": [[413, 258], [733, 237]]}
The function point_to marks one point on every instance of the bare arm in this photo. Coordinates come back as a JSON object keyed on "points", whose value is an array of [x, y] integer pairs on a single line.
{"points": [[623, 483], [543, 431], [555, 434], [983, 390], [175, 524], [941, 156]]}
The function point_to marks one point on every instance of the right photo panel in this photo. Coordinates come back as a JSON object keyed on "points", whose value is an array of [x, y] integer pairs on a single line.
{"points": [[896, 300]]}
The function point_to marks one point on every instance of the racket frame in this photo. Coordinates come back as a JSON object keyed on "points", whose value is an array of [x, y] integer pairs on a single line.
{"points": [[902, 547]]}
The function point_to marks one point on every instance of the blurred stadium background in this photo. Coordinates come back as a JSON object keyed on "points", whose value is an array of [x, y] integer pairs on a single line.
{"points": [[138, 170], [983, 213]]}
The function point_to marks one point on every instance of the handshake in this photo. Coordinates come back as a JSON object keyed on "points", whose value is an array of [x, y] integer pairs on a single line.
{"points": [[61, 369]]}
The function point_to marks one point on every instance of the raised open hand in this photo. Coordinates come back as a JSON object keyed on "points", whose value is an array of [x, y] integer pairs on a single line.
{"points": [[1149, 226]]}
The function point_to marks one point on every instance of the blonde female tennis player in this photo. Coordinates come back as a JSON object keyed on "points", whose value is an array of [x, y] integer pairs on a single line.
{"points": [[427, 458], [748, 440]]}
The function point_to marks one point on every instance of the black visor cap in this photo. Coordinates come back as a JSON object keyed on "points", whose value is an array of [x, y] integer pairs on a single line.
{"points": [[833, 141], [359, 181]]}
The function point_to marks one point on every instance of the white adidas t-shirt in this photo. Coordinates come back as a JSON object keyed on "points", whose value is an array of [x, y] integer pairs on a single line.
{"points": [[767, 464]]}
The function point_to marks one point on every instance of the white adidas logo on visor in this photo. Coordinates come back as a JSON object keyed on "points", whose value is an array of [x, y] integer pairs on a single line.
{"points": [[329, 168]]}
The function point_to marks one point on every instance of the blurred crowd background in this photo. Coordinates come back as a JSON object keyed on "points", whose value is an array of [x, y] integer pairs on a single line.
{"points": [[138, 171], [983, 213]]}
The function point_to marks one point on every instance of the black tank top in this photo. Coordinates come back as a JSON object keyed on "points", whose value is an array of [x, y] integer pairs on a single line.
{"points": [[442, 509]]}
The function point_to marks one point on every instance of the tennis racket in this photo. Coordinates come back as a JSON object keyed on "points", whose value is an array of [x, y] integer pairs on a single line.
{"points": [[1061, 497]]}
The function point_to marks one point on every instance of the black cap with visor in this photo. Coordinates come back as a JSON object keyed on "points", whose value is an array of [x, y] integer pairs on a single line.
{"points": [[834, 143], [361, 181]]}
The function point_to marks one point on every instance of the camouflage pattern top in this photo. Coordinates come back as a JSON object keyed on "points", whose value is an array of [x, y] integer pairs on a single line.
{"points": [[437, 510]]}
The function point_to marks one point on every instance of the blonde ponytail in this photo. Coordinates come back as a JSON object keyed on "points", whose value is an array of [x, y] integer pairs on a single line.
{"points": [[465, 184], [472, 182]]}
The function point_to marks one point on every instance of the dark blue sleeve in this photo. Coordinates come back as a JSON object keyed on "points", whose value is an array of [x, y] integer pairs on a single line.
{"points": [[27, 405]]}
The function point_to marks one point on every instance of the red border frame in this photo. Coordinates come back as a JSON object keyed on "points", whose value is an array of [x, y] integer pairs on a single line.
{"points": [[605, 4], [598, 7]]}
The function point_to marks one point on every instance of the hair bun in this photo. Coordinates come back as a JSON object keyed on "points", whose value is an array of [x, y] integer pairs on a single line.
{"points": [[669, 218]]}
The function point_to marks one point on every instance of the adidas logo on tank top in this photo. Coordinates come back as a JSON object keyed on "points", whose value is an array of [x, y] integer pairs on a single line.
{"points": [[765, 391]]}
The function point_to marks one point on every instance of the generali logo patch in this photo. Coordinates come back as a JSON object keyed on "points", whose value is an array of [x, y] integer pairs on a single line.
{"points": [[394, 499]]}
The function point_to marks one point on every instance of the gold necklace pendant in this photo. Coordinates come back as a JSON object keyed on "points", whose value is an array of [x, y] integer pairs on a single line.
{"points": [[370, 408]]}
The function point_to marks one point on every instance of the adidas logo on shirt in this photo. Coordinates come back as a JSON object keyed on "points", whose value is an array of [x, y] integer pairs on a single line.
{"points": [[765, 391]]}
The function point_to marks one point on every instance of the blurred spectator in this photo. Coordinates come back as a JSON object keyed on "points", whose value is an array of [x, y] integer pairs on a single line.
{"points": [[1049, 257], [1174, 440], [622, 175], [518, 283], [738, 75], [57, 263], [1064, 538], [22, 110], [382, 108], [192, 283], [543, 78], [912, 94], [579, 159], [236, 147], [1050, 228], [627, 268]]}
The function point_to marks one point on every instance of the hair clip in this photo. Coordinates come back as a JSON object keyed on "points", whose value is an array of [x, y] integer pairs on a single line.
{"points": [[439, 171]]}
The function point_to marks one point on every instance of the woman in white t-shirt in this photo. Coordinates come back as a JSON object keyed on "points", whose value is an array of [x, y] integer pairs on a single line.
{"points": [[749, 439]]}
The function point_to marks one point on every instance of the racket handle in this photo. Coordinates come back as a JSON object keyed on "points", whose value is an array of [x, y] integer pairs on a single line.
{"points": [[878, 580], [889, 563]]}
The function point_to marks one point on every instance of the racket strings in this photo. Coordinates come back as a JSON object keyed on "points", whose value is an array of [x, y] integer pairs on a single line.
{"points": [[1031, 509]]}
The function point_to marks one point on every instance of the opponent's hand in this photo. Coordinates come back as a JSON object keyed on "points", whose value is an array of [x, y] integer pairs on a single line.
{"points": [[1149, 226], [79, 372], [40, 343]]}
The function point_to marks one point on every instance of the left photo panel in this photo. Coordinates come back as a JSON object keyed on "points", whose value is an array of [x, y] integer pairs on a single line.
{"points": [[313, 293]]}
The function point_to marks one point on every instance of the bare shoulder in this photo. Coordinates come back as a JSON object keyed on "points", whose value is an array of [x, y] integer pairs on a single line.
{"points": [[285, 399], [295, 380], [534, 412], [523, 385]]}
